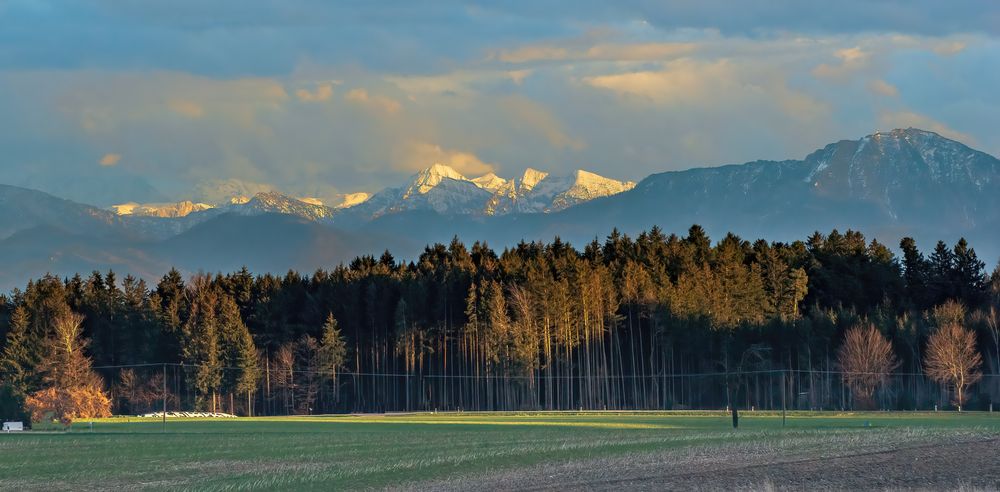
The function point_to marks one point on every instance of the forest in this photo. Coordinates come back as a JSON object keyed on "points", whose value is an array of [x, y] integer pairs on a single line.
{"points": [[652, 322]]}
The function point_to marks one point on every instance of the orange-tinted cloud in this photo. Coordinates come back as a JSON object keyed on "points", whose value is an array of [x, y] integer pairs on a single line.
{"points": [[596, 52], [883, 88], [186, 108], [109, 159], [323, 92], [419, 155], [381, 103], [541, 120], [851, 60]]}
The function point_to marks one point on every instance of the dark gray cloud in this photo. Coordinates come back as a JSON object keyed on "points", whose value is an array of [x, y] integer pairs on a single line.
{"points": [[230, 37]]}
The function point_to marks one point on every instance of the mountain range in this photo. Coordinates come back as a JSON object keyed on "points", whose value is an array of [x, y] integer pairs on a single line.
{"points": [[439, 188], [888, 185]]}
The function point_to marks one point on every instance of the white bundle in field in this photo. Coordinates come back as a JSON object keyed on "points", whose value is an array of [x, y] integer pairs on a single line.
{"points": [[159, 415]]}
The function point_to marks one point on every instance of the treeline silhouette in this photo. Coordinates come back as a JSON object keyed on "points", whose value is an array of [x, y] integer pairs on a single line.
{"points": [[620, 324]]}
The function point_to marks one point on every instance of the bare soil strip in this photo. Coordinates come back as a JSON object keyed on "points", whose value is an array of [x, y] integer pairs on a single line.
{"points": [[948, 463]]}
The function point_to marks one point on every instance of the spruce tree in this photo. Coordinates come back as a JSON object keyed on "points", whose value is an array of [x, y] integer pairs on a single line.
{"points": [[18, 362], [942, 279], [915, 273], [970, 274], [239, 353], [332, 354], [332, 349], [200, 346]]}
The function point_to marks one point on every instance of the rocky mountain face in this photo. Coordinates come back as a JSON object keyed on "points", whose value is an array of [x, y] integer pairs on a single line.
{"points": [[888, 184], [910, 176], [891, 184]]}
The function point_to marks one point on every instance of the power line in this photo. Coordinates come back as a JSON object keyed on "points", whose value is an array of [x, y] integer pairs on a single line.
{"points": [[539, 376]]}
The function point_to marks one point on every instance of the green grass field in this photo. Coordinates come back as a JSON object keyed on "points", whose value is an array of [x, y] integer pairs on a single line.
{"points": [[327, 452]]}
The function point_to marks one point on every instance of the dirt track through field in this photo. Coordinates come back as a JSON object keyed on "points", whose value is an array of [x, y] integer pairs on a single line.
{"points": [[951, 464]]}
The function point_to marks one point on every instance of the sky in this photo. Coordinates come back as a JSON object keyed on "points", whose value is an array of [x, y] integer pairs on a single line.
{"points": [[106, 100]]}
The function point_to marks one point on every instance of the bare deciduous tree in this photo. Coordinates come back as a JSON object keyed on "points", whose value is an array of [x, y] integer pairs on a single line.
{"points": [[866, 358], [952, 359]]}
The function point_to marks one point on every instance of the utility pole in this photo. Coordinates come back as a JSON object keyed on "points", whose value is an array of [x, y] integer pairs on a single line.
{"points": [[164, 397]]}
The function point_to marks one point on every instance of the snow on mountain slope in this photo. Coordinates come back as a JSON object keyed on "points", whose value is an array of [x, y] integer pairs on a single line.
{"points": [[538, 192], [444, 190], [430, 178], [585, 186], [273, 202], [352, 199], [439, 188], [179, 209], [489, 181]]}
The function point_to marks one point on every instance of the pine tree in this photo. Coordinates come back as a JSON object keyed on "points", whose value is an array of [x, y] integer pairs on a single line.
{"points": [[701, 245], [796, 289], [200, 346], [915, 273], [970, 274], [239, 353], [305, 375], [18, 363], [942, 278], [171, 302], [332, 354]]}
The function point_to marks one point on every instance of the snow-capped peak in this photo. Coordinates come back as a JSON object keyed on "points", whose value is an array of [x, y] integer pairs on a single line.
{"points": [[531, 177], [581, 186], [444, 190], [427, 179], [596, 184], [489, 181]]}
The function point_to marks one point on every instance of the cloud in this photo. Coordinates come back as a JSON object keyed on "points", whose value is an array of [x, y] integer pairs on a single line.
{"points": [[677, 82], [690, 83], [456, 83], [518, 76], [623, 89], [323, 92], [905, 119], [216, 191], [540, 120], [851, 60], [420, 155], [883, 88], [110, 159], [947, 48], [378, 102], [188, 109], [107, 102], [595, 52], [532, 53]]}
